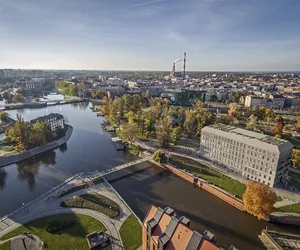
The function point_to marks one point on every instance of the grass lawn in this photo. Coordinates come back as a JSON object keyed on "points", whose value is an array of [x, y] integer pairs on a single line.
{"points": [[295, 208], [230, 185], [131, 233], [68, 239], [5, 246], [96, 202]]}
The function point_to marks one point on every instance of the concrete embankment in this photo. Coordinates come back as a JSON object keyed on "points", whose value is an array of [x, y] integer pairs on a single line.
{"points": [[35, 151]]}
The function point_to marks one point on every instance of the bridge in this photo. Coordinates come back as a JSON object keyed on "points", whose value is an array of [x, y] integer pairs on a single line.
{"points": [[68, 184]]}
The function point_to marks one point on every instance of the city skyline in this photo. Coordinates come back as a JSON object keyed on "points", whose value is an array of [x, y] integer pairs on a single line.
{"points": [[218, 35]]}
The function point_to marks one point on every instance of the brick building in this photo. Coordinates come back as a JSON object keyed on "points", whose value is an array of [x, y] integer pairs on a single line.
{"points": [[163, 230]]}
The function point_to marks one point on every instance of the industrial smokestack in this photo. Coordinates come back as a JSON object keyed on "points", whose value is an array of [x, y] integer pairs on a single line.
{"points": [[173, 67], [184, 63]]}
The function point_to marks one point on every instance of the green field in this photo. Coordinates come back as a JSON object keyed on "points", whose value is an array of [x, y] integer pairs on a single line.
{"points": [[96, 202], [131, 233], [230, 185], [68, 239], [295, 208], [5, 246]]}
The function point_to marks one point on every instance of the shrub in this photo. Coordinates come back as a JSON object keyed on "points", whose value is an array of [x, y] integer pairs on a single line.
{"points": [[56, 226]]}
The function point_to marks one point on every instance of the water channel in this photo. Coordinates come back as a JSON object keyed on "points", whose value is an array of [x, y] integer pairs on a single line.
{"points": [[90, 148]]}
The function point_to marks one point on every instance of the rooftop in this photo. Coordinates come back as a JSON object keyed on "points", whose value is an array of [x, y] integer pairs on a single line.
{"points": [[247, 133], [47, 117], [174, 233]]}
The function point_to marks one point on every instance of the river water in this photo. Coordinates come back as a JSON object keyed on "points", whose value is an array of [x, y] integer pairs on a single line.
{"points": [[90, 148]]}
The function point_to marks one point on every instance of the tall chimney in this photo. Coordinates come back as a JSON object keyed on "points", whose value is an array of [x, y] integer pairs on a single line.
{"points": [[184, 63], [173, 68]]}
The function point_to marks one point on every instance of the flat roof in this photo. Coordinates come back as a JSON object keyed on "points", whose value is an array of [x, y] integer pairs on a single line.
{"points": [[249, 137]]}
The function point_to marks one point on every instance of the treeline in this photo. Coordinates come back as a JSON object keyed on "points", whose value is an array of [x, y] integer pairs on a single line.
{"points": [[167, 123], [69, 88], [24, 135]]}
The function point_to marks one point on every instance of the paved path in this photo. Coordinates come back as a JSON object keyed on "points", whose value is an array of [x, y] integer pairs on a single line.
{"points": [[46, 207]]}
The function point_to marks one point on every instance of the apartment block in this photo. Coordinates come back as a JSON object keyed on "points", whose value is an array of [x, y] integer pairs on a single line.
{"points": [[163, 230], [253, 155]]}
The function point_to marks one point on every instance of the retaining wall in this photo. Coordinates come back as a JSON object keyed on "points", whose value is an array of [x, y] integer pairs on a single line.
{"points": [[35, 151], [208, 187], [291, 219]]}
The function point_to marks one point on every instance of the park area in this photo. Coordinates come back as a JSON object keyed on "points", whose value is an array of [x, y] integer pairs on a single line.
{"points": [[230, 185], [64, 231], [95, 202], [131, 233]]}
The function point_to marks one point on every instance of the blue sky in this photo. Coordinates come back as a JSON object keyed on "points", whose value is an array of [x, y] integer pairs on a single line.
{"points": [[233, 35]]}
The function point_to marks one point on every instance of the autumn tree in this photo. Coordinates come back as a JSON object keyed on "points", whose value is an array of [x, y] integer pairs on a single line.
{"points": [[236, 97], [298, 124], [163, 127], [159, 156], [259, 199], [278, 125], [105, 105], [233, 110], [252, 122], [128, 132], [40, 134], [18, 98], [296, 158], [191, 122]]}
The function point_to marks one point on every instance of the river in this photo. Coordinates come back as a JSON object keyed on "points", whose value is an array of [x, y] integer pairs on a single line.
{"points": [[90, 148]]}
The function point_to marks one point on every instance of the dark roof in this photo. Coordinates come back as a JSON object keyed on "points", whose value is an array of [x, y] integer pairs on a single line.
{"points": [[194, 241], [45, 118]]}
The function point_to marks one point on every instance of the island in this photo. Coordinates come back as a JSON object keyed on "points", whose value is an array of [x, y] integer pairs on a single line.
{"points": [[25, 139]]}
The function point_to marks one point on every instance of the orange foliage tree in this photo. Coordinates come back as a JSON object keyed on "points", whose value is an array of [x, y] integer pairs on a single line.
{"points": [[259, 199]]}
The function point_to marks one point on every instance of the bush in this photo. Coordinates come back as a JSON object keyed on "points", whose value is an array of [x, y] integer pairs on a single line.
{"points": [[160, 157], [56, 226]]}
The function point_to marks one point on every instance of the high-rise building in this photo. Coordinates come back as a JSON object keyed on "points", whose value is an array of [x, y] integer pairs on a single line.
{"points": [[163, 230], [256, 156]]}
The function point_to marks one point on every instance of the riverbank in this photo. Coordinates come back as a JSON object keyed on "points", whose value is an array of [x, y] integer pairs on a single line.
{"points": [[35, 151]]}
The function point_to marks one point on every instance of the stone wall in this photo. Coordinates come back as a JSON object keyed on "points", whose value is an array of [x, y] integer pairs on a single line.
{"points": [[285, 218], [35, 151]]}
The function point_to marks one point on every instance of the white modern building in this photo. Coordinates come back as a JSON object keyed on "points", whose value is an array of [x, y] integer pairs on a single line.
{"points": [[55, 121], [255, 156], [273, 102]]}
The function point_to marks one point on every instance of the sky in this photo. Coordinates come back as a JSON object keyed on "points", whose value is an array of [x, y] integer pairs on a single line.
{"points": [[217, 35]]}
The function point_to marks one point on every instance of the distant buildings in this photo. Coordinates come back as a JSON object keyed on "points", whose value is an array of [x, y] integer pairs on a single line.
{"points": [[255, 156], [163, 230], [184, 97], [56, 121], [271, 101]]}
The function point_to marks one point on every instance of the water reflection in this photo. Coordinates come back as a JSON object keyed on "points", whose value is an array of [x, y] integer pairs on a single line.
{"points": [[80, 105], [28, 169], [63, 148], [3, 175]]}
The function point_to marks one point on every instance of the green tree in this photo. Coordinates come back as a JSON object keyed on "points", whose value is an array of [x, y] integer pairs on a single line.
{"points": [[163, 130], [36, 99], [159, 156], [236, 97], [191, 122], [3, 116], [18, 98], [97, 94], [40, 134], [176, 134]]}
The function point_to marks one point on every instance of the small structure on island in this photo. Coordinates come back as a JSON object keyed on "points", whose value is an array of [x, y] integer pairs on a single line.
{"points": [[56, 121], [98, 239], [119, 145]]}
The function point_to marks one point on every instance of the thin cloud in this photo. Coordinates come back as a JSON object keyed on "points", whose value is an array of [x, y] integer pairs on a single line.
{"points": [[147, 3]]}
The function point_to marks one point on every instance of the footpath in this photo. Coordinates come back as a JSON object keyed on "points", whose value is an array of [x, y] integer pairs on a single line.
{"points": [[50, 206]]}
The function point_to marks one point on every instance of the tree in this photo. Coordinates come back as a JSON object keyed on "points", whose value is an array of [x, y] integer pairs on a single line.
{"points": [[159, 156], [128, 132], [213, 98], [105, 105], [36, 99], [252, 123], [6, 96], [259, 199], [18, 98], [278, 125], [163, 130], [233, 110], [39, 134], [236, 97], [19, 134], [296, 158], [191, 122], [97, 94], [176, 134], [3, 116], [298, 124]]}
